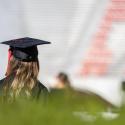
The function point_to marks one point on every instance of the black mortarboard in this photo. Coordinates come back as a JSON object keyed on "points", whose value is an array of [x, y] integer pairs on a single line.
{"points": [[25, 49]]}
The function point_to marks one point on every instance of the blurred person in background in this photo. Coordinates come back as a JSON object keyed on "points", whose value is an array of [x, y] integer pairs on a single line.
{"points": [[123, 89], [62, 81], [23, 69], [62, 91], [60, 86]]}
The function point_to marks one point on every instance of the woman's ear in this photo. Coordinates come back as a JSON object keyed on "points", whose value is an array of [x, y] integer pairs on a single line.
{"points": [[9, 59]]}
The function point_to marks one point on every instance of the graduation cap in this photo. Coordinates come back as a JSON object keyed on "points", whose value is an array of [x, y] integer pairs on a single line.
{"points": [[25, 49]]}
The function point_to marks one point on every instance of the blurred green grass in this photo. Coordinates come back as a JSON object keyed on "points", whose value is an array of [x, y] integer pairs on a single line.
{"points": [[61, 108]]}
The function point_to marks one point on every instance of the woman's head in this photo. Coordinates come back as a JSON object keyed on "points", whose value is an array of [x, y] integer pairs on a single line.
{"points": [[16, 66]]}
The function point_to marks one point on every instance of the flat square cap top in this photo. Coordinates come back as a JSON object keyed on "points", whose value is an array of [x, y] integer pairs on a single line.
{"points": [[25, 42], [25, 49]]}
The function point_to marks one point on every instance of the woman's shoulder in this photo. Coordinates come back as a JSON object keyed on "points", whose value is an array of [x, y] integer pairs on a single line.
{"points": [[41, 86], [39, 89], [2, 82], [9, 78]]}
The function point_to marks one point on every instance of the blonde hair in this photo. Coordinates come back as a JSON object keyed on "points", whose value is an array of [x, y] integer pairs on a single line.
{"points": [[25, 77]]}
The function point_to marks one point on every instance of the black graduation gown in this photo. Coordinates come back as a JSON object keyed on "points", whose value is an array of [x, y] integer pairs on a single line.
{"points": [[39, 91]]}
